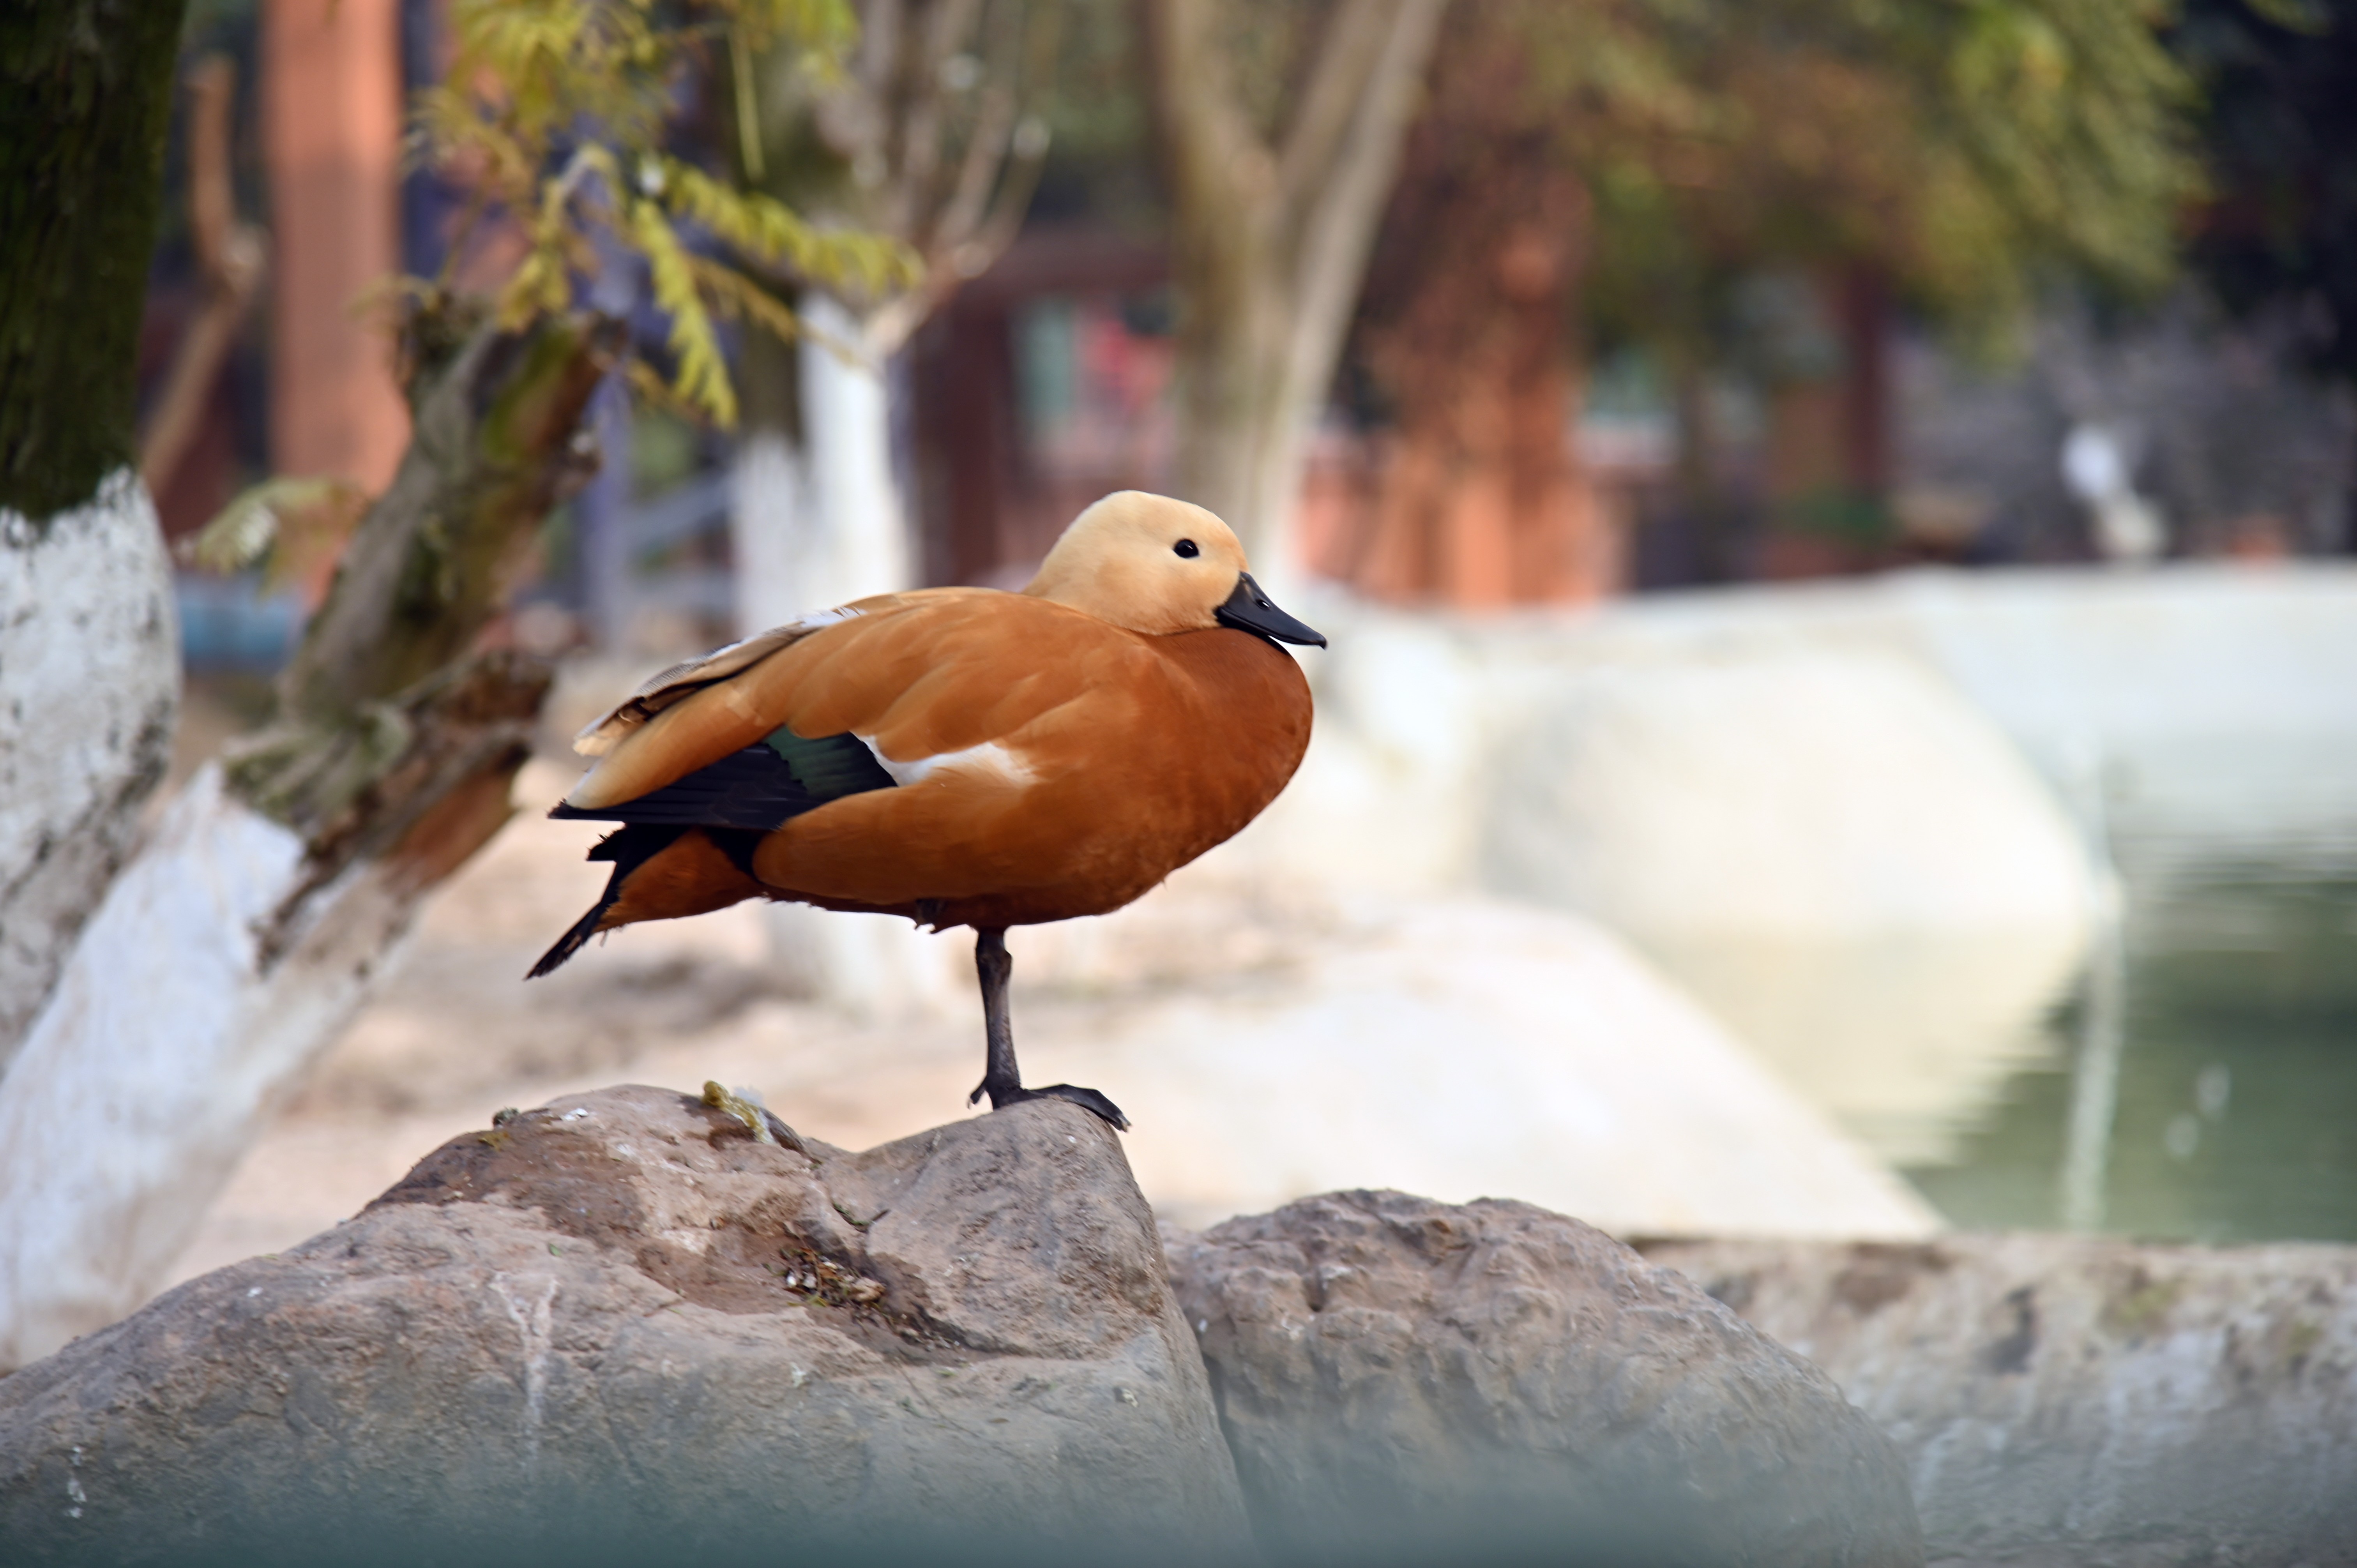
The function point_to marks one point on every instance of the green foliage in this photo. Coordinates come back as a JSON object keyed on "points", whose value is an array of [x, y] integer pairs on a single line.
{"points": [[2060, 128], [554, 117], [295, 525], [1967, 148]]}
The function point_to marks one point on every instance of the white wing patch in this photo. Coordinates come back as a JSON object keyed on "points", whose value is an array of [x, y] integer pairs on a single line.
{"points": [[988, 757], [818, 619]]}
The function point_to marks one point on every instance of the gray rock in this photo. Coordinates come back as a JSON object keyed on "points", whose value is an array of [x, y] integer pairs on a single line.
{"points": [[620, 1329], [2067, 1399], [1406, 1379]]}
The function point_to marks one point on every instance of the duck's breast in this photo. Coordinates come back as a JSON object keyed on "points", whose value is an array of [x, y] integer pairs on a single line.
{"points": [[1222, 739]]}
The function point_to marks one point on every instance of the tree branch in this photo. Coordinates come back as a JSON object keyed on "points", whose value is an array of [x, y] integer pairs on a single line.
{"points": [[428, 805], [987, 145], [1337, 222], [497, 443], [896, 113], [1219, 163], [853, 119], [1350, 52], [230, 257], [921, 114], [1268, 267]]}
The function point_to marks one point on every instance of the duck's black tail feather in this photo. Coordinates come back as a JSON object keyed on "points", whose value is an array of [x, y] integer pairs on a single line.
{"points": [[629, 848]]}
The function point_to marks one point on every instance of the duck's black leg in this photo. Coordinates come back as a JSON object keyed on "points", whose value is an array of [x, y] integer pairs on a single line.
{"points": [[1000, 1081]]}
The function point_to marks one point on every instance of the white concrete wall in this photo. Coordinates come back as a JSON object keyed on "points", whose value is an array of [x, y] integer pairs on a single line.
{"points": [[2217, 700]]}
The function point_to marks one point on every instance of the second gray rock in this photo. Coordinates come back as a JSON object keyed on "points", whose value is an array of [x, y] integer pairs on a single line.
{"points": [[1404, 1380]]}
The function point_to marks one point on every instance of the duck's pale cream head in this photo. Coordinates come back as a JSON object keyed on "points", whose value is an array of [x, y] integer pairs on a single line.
{"points": [[1156, 565]]}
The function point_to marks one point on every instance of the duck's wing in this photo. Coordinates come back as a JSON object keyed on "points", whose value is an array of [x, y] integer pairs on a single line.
{"points": [[780, 776], [684, 680], [907, 682]]}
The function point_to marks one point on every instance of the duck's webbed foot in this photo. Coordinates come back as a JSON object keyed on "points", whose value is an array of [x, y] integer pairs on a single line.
{"points": [[1000, 1079], [1004, 1095]]}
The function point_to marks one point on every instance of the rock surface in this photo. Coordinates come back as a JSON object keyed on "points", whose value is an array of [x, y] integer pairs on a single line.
{"points": [[620, 1326], [1396, 1374], [2066, 1400]]}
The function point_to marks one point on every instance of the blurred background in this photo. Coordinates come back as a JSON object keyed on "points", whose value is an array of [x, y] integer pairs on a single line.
{"points": [[1834, 530]]}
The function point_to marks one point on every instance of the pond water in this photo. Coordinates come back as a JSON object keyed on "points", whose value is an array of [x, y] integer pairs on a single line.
{"points": [[2199, 1080]]}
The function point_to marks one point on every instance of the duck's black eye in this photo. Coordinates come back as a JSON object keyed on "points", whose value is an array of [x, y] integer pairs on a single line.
{"points": [[1185, 549]]}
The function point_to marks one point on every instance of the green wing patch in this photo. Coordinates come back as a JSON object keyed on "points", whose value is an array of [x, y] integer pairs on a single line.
{"points": [[831, 767]]}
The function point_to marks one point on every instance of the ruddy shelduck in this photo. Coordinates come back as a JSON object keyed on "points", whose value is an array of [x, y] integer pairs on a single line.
{"points": [[963, 756]]}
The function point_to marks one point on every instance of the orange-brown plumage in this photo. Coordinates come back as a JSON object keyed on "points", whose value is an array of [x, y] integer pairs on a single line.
{"points": [[1178, 742], [688, 876], [964, 757]]}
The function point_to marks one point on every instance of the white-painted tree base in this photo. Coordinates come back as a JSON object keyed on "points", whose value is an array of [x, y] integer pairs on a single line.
{"points": [[768, 505], [824, 525], [90, 688], [164, 1046], [813, 528]]}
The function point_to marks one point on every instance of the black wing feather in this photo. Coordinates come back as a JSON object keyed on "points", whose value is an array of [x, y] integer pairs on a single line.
{"points": [[629, 848], [736, 800], [781, 776]]}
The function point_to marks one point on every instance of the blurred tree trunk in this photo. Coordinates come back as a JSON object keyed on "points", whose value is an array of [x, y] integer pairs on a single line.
{"points": [[85, 99], [1697, 490], [1270, 241], [89, 651], [232, 259], [240, 941]]}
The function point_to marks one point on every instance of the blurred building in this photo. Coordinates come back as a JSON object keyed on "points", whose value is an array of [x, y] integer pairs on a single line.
{"points": [[332, 107], [2237, 450], [308, 162], [1040, 388]]}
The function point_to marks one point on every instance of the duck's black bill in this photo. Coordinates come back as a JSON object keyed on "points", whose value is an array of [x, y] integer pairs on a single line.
{"points": [[1249, 609]]}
